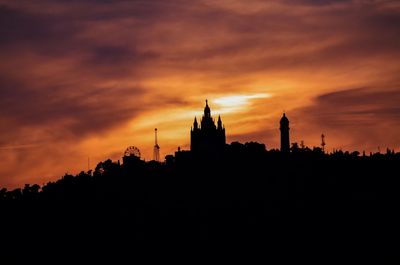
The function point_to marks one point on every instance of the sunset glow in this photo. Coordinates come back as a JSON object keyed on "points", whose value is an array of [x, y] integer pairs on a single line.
{"points": [[237, 103], [88, 78]]}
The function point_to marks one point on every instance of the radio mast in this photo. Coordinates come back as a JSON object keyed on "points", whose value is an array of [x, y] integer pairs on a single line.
{"points": [[156, 152], [323, 142]]}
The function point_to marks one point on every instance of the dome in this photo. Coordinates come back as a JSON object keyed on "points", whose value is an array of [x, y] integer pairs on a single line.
{"points": [[284, 119]]}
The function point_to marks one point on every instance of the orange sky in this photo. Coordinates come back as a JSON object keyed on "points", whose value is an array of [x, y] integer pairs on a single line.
{"points": [[88, 78]]}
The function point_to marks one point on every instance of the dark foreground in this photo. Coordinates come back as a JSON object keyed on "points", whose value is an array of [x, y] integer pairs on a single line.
{"points": [[339, 207]]}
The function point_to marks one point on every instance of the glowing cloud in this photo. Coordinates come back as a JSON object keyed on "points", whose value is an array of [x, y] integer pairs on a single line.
{"points": [[237, 102]]}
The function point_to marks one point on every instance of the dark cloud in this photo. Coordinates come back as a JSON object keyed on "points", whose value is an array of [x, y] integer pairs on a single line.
{"points": [[267, 40], [72, 100], [364, 117], [116, 61], [92, 110], [43, 33], [317, 2], [381, 103]]}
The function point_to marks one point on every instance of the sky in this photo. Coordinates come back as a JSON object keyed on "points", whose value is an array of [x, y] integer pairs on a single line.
{"points": [[86, 79]]}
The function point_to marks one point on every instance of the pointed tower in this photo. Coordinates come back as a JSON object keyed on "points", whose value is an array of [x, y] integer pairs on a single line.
{"points": [[219, 123], [285, 141], [207, 110], [207, 139]]}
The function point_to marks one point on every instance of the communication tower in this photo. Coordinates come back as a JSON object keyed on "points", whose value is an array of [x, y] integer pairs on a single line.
{"points": [[156, 152], [323, 142]]}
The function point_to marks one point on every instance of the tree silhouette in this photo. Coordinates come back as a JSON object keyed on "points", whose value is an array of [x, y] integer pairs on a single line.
{"points": [[245, 192]]}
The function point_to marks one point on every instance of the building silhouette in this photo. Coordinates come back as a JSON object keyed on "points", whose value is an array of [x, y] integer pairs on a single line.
{"points": [[207, 138], [285, 141]]}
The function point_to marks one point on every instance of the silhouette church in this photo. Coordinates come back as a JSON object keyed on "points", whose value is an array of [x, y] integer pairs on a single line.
{"points": [[206, 137]]}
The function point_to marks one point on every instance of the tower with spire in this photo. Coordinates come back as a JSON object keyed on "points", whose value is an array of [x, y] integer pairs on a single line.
{"points": [[285, 141], [207, 138]]}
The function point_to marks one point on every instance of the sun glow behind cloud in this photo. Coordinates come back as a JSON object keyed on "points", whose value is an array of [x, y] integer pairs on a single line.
{"points": [[234, 103]]}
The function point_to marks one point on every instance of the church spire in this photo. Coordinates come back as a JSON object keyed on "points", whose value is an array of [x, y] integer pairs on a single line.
{"points": [[219, 122], [207, 111], [206, 137]]}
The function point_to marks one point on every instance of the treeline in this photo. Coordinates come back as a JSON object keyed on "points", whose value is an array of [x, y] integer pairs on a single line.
{"points": [[246, 194], [249, 168]]}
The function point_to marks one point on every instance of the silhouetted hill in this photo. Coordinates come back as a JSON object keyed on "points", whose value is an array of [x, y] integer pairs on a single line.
{"points": [[246, 194]]}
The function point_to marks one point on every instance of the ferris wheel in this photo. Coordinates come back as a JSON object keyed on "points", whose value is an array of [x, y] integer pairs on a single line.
{"points": [[132, 151]]}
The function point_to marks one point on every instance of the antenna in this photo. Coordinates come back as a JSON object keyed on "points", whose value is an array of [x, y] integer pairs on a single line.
{"points": [[156, 152], [323, 142]]}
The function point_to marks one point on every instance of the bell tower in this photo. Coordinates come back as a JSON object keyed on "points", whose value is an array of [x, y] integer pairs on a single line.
{"points": [[285, 141]]}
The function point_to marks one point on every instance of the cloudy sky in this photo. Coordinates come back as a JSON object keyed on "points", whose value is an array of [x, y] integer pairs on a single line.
{"points": [[86, 78]]}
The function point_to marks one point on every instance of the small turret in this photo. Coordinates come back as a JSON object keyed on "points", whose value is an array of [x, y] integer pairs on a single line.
{"points": [[195, 124], [207, 111], [219, 123]]}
